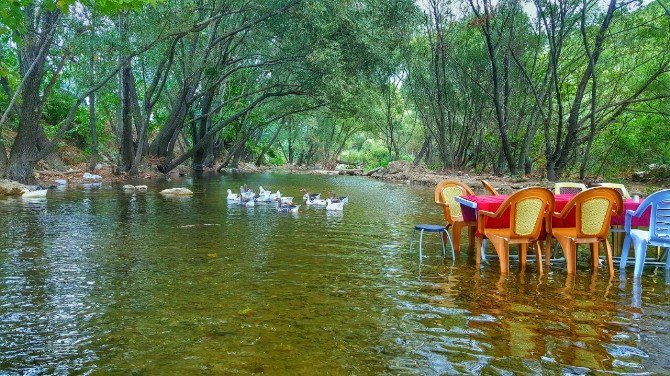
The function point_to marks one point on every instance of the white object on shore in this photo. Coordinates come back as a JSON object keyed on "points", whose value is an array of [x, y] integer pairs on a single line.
{"points": [[128, 187], [338, 206], [176, 192], [60, 182], [88, 176], [35, 194]]}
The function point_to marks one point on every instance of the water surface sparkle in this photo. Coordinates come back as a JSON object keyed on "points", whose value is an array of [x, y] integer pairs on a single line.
{"points": [[105, 281]]}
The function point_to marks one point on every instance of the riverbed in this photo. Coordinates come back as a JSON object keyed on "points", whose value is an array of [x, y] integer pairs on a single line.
{"points": [[98, 280]]}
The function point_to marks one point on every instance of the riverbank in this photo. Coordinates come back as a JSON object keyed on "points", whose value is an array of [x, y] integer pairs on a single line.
{"points": [[396, 172]]}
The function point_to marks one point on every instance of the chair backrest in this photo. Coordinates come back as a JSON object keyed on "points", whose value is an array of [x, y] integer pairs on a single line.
{"points": [[446, 192], [594, 209], [659, 224], [529, 208], [489, 188], [567, 188], [618, 187]]}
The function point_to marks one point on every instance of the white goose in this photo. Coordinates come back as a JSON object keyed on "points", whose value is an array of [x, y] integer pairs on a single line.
{"points": [[232, 196], [275, 196], [244, 202], [338, 206], [247, 194], [286, 200], [316, 202], [310, 196], [336, 199]]}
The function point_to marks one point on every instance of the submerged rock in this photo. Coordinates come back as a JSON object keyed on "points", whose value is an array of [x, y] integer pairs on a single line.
{"points": [[177, 192], [12, 188]]}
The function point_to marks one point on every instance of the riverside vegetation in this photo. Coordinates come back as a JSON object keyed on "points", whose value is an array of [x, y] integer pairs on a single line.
{"points": [[550, 89]]}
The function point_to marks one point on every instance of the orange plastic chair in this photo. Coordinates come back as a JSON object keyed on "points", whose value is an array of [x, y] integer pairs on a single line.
{"points": [[593, 211], [445, 194], [529, 209], [489, 188]]}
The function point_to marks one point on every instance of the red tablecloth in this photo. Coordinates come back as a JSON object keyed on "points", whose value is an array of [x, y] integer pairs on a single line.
{"points": [[492, 203]]}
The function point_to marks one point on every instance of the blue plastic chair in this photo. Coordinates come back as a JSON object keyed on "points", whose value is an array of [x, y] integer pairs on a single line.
{"points": [[441, 230], [657, 235]]}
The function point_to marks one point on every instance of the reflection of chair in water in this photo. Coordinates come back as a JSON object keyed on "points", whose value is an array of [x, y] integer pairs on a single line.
{"points": [[593, 211], [657, 235], [567, 188], [528, 209]]}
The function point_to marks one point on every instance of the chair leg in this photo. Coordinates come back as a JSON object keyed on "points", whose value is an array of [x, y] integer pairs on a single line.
{"points": [[411, 242], [453, 253], [640, 255], [523, 250], [502, 249], [610, 258], [472, 230], [667, 258], [570, 253], [538, 254], [456, 235], [547, 250], [420, 243], [624, 252], [595, 259], [478, 250], [444, 251]]}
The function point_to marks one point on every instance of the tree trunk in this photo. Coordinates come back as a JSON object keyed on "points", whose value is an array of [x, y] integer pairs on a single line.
{"points": [[126, 148], [422, 152], [31, 66], [267, 147]]}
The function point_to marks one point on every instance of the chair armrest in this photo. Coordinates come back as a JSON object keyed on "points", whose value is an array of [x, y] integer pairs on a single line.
{"points": [[487, 213]]}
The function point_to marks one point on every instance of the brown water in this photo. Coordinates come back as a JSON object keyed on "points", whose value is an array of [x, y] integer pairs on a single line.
{"points": [[107, 282]]}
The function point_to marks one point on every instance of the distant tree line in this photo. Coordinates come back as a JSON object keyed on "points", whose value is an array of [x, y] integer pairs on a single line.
{"points": [[544, 87]]}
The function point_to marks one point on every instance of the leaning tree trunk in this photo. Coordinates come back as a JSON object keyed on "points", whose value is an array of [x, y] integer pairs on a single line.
{"points": [[31, 66]]}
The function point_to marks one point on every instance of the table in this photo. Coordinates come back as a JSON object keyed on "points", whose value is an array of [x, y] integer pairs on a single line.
{"points": [[471, 204]]}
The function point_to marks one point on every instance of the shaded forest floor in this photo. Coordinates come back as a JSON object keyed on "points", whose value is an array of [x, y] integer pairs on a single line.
{"points": [[398, 172]]}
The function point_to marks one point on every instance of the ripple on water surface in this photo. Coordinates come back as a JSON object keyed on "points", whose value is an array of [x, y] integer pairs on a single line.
{"points": [[101, 280]]}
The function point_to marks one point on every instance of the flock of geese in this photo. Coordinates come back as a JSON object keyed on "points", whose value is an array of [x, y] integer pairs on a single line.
{"points": [[247, 197]]}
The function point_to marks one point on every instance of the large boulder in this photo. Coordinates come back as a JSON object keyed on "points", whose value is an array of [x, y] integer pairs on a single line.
{"points": [[177, 192], [396, 167], [12, 188]]}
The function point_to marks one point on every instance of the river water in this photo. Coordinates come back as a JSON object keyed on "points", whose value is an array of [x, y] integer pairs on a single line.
{"points": [[101, 281]]}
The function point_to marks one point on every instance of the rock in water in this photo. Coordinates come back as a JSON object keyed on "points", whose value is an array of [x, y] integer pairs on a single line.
{"points": [[128, 187], [12, 188], [141, 188], [177, 192], [35, 194], [60, 182]]}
